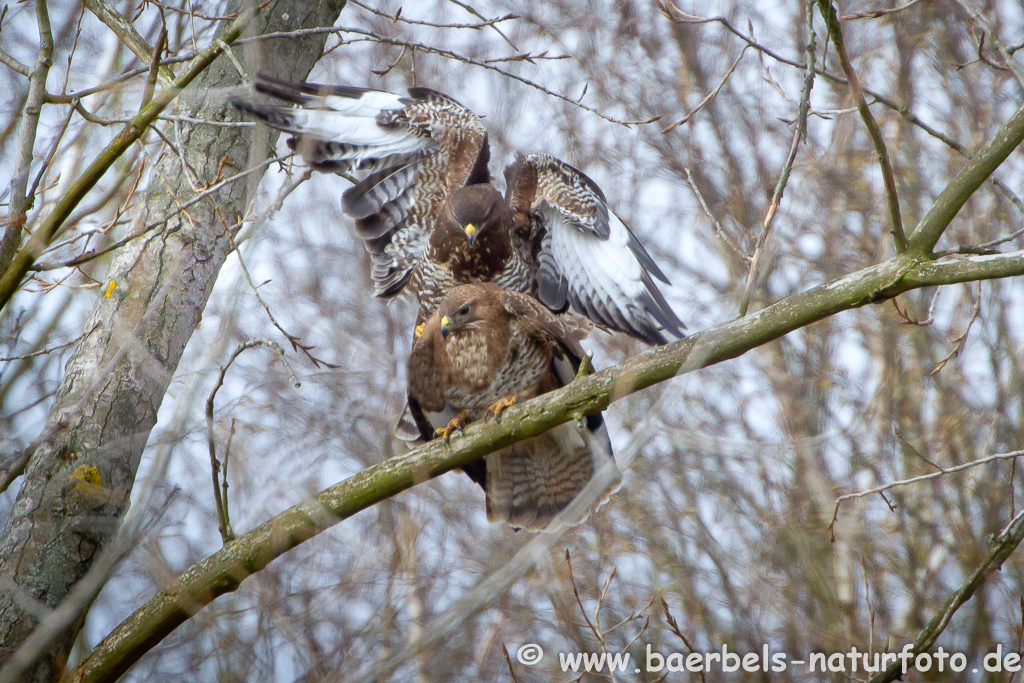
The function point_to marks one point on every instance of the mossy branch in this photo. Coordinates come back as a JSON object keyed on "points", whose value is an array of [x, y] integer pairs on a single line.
{"points": [[45, 233], [1003, 546], [223, 571]]}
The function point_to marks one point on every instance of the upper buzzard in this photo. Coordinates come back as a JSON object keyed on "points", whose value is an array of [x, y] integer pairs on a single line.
{"points": [[432, 220]]}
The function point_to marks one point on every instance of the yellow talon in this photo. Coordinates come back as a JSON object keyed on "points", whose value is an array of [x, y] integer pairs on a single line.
{"points": [[498, 407], [456, 423], [110, 289], [419, 330]]}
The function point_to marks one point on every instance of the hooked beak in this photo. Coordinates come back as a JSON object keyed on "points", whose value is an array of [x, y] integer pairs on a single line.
{"points": [[446, 327], [471, 231]]}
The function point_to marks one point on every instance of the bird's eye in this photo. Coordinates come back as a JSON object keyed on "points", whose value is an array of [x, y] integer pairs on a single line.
{"points": [[464, 310]]}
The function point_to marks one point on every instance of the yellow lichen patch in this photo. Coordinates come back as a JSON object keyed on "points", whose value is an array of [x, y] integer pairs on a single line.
{"points": [[88, 474], [419, 330], [110, 288]]}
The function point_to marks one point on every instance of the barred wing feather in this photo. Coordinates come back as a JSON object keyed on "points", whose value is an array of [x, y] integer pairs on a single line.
{"points": [[588, 257], [415, 150]]}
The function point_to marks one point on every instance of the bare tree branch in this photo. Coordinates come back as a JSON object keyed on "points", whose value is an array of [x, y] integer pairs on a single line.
{"points": [[21, 201], [123, 29], [1003, 546], [224, 571], [119, 374], [828, 11], [22, 261]]}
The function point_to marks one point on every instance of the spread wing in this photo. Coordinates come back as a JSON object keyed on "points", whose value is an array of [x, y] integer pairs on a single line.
{"points": [[414, 150], [584, 254]]}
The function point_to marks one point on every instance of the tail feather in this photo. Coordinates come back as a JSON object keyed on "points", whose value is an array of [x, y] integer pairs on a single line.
{"points": [[537, 484], [337, 128]]}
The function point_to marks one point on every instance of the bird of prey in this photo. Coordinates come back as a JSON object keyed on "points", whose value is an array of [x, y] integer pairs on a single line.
{"points": [[432, 220], [485, 348]]}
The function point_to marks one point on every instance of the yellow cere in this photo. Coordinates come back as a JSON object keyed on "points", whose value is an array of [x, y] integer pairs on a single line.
{"points": [[445, 322], [470, 229], [110, 288]]}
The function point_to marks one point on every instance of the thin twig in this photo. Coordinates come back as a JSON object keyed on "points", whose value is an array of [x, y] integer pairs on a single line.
{"points": [[916, 452], [1001, 240], [958, 342], [1010, 63], [508, 662], [154, 67], [7, 59], [707, 98], [673, 626], [49, 157], [376, 37], [49, 350], [913, 480], [875, 13], [714, 221], [220, 491], [835, 31], [799, 135], [296, 342], [416, 22], [481, 17]]}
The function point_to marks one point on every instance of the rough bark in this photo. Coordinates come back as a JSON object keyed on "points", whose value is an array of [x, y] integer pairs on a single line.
{"points": [[114, 383]]}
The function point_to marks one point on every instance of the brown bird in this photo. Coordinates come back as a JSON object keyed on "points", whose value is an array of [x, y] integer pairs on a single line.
{"points": [[484, 349], [432, 220]]}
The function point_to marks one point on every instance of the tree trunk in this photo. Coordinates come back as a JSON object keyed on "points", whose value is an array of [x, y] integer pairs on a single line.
{"points": [[152, 301]]}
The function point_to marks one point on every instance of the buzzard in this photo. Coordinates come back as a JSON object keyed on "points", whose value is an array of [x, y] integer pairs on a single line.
{"points": [[432, 220], [485, 348]]}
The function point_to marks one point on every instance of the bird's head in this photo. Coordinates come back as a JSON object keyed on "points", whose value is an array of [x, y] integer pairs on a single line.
{"points": [[477, 210], [467, 306]]}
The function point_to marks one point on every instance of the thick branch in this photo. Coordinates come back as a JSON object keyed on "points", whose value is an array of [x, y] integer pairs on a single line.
{"points": [[225, 570], [956, 193]]}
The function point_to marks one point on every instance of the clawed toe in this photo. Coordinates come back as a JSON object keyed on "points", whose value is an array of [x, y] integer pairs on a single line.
{"points": [[496, 409], [456, 423]]}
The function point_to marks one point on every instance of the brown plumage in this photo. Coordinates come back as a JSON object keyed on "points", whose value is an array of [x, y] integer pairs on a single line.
{"points": [[432, 220], [483, 349]]}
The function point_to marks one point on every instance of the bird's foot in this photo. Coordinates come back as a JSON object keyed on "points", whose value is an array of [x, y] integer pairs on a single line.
{"points": [[498, 407], [419, 330], [456, 423]]}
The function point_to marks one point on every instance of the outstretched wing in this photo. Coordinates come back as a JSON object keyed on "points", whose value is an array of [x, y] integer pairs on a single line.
{"points": [[585, 255], [415, 151]]}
